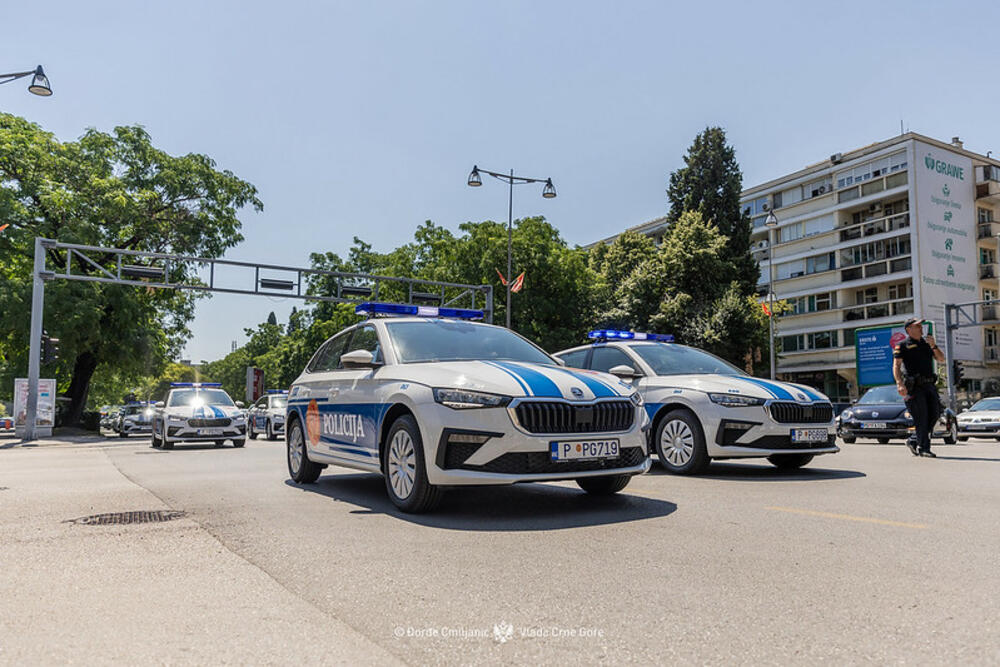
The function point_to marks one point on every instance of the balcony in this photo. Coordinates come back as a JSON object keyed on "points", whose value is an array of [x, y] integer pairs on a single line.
{"points": [[876, 310], [987, 271], [988, 184], [989, 312], [988, 230], [874, 226], [992, 354]]}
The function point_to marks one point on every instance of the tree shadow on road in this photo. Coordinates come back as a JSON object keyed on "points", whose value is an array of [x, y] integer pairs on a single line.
{"points": [[722, 470], [521, 507]]}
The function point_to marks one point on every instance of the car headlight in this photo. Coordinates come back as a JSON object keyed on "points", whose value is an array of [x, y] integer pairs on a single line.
{"points": [[175, 418], [846, 414], [907, 415], [735, 400], [636, 399], [464, 399]]}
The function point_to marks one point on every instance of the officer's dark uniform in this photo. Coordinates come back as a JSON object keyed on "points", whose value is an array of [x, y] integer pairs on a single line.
{"points": [[922, 400]]}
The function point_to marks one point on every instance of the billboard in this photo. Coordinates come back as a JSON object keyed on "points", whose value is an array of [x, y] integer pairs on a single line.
{"points": [[45, 415], [873, 352], [945, 270], [255, 383]]}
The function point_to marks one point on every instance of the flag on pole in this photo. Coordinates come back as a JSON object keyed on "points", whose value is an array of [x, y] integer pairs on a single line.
{"points": [[502, 279], [767, 311], [518, 283]]}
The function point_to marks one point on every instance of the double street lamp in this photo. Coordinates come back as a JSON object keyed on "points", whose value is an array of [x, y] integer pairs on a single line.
{"points": [[549, 192], [771, 222], [39, 82]]}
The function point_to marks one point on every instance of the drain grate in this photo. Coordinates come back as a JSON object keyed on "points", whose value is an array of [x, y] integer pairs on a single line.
{"points": [[127, 518]]}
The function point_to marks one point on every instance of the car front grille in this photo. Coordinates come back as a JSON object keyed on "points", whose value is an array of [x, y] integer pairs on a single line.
{"points": [[201, 423], [563, 417], [794, 413], [536, 463]]}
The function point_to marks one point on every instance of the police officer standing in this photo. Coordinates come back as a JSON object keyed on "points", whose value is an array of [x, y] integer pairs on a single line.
{"points": [[913, 368]]}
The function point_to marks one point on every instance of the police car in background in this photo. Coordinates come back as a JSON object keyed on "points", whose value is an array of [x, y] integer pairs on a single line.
{"points": [[703, 408], [134, 419], [198, 412], [431, 399], [267, 415]]}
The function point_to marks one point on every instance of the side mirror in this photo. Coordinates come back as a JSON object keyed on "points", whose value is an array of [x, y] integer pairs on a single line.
{"points": [[560, 361], [240, 404], [160, 404], [358, 359], [624, 372]]}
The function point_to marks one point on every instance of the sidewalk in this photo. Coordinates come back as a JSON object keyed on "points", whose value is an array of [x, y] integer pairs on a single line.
{"points": [[61, 437], [165, 592]]}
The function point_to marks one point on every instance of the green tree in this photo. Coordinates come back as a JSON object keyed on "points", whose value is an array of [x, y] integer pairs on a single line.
{"points": [[107, 189], [710, 182]]}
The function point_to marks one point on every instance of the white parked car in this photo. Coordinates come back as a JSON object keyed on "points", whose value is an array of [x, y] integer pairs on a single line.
{"points": [[198, 412], [702, 408], [982, 419], [267, 415], [430, 402]]}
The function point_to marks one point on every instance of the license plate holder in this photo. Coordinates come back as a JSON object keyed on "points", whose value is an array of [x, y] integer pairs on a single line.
{"points": [[810, 435], [879, 426], [584, 450], [210, 431]]}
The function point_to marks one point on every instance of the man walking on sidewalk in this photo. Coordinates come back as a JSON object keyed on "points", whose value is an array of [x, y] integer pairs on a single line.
{"points": [[913, 369]]}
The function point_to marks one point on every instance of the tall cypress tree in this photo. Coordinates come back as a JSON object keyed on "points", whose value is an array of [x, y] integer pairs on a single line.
{"points": [[710, 182]]}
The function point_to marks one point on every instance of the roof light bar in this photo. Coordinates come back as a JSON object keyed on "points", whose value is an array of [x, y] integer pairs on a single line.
{"points": [[614, 334], [374, 308], [277, 391], [195, 384]]}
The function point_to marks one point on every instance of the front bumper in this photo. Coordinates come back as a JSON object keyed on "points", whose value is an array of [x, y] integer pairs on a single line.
{"points": [[894, 428], [137, 429], [980, 428], [751, 432], [511, 455], [178, 432]]}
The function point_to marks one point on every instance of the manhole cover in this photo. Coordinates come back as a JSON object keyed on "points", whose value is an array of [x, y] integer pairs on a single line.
{"points": [[123, 518]]}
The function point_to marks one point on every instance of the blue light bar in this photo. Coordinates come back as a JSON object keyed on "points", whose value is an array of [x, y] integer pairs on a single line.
{"points": [[277, 391], [374, 308], [614, 334], [195, 384]]}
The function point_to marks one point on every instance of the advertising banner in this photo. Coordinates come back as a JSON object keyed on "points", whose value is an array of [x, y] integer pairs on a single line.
{"points": [[946, 264], [45, 417], [255, 383], [873, 349]]}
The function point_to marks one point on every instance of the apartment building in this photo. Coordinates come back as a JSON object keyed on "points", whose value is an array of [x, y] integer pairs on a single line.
{"points": [[871, 237]]}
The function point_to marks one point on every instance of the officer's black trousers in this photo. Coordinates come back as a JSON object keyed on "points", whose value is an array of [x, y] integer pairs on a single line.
{"points": [[925, 407]]}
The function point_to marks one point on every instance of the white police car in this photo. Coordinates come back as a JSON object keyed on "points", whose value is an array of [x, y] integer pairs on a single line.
{"points": [[703, 408], [429, 401], [134, 419], [198, 412], [267, 415]]}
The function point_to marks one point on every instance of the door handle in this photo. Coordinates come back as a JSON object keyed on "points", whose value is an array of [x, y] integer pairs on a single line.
{"points": [[332, 392]]}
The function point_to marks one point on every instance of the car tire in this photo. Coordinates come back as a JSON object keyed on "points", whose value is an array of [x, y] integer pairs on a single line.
{"points": [[154, 441], [680, 443], [849, 439], [252, 434], [300, 468], [605, 485], [952, 436], [269, 431], [405, 471], [239, 443], [166, 445], [883, 441], [220, 443], [122, 434], [789, 461], [963, 438]]}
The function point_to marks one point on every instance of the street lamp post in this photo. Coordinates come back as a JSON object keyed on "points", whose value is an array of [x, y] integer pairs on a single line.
{"points": [[39, 82], [548, 192], [771, 222]]}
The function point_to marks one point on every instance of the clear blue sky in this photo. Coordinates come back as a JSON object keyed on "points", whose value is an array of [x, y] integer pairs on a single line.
{"points": [[364, 118]]}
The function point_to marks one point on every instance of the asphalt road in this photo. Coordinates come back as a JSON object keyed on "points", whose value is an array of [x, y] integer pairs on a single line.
{"points": [[869, 555]]}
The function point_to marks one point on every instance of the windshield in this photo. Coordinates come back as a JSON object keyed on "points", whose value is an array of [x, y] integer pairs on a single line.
{"points": [[884, 395], [987, 404], [134, 409], [680, 360], [446, 340], [196, 397], [278, 402]]}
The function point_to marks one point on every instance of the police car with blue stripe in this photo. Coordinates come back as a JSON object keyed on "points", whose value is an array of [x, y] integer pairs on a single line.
{"points": [[267, 415], [198, 412], [703, 408], [429, 398]]}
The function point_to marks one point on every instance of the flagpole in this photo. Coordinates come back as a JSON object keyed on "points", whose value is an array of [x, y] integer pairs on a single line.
{"points": [[510, 226]]}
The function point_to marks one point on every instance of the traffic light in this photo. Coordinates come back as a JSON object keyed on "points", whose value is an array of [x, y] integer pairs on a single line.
{"points": [[50, 348], [957, 371]]}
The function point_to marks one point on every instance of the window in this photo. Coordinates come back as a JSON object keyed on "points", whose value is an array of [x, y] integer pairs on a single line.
{"points": [[984, 214], [820, 263], [848, 195], [790, 269], [896, 180], [874, 169], [897, 161], [575, 359], [777, 200], [451, 340], [792, 343], [868, 295], [987, 256], [818, 225], [790, 196], [824, 301], [327, 358], [897, 265], [900, 291], [991, 338], [790, 232], [606, 358], [817, 188], [822, 340], [365, 338]]}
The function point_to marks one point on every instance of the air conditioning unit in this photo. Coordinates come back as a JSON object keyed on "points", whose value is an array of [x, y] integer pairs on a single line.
{"points": [[765, 207], [875, 207], [837, 158]]}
